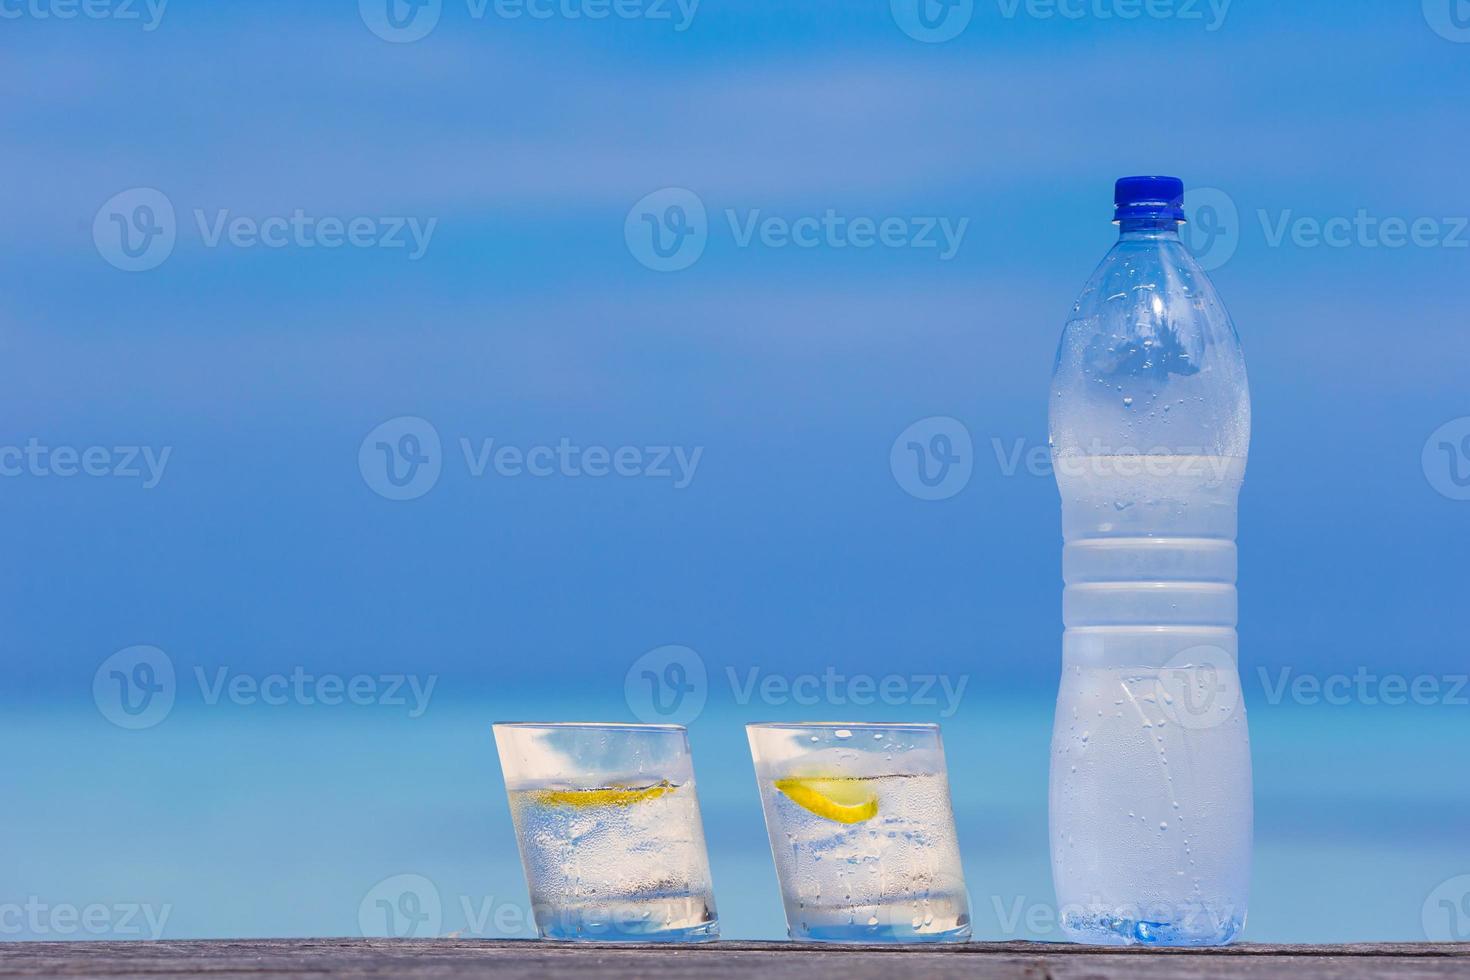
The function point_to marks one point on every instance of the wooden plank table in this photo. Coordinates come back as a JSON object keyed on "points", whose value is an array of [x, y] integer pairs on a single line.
{"points": [[526, 960]]}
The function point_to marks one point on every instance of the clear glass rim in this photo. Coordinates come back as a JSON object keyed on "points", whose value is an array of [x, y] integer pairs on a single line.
{"points": [[868, 726], [605, 726]]}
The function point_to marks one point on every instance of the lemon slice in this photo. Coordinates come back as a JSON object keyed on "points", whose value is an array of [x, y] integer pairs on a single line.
{"points": [[607, 796], [840, 798]]}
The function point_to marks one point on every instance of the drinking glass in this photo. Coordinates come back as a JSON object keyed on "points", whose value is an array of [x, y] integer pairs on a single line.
{"points": [[609, 830], [862, 831]]}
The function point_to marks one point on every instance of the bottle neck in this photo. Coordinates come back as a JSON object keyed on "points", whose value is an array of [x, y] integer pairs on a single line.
{"points": [[1150, 227]]}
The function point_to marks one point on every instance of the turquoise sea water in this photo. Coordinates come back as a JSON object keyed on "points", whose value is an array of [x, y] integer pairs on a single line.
{"points": [[251, 820]]}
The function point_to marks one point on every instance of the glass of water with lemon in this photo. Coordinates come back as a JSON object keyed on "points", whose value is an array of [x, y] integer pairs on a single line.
{"points": [[609, 830], [862, 831]]}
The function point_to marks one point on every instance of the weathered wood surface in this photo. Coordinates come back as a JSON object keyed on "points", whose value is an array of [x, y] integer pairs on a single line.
{"points": [[524, 960]]}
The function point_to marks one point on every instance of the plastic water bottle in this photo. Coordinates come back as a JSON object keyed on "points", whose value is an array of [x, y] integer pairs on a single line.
{"points": [[1150, 767]]}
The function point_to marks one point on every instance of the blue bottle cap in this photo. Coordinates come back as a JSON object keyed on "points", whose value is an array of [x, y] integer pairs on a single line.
{"points": [[1146, 197]]}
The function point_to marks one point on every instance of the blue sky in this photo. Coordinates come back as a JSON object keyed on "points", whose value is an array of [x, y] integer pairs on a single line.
{"points": [[529, 321]]}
